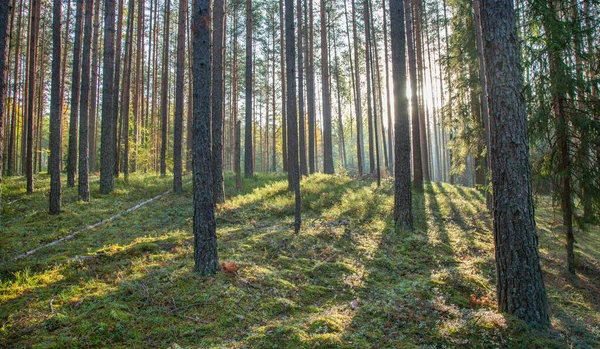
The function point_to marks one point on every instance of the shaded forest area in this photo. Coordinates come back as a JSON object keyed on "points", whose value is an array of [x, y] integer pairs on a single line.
{"points": [[280, 173]]}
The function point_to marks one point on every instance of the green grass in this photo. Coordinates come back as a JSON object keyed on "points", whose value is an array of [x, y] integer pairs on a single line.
{"points": [[347, 281]]}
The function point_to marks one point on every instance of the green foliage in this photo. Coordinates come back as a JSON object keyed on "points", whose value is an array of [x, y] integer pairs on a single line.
{"points": [[348, 280]]}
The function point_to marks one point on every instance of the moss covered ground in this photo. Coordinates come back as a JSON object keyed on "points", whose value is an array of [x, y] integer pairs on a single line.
{"points": [[347, 281]]}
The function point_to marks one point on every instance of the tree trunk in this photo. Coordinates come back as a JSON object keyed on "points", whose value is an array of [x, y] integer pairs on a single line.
{"points": [[93, 142], [310, 88], [293, 168], [520, 287], [217, 100], [83, 187], [402, 188], [4, 45], [387, 90], [139, 83], [327, 137], [55, 112], [342, 145], [301, 121], [116, 94], [418, 88], [206, 261], [248, 168], [126, 91], [11, 169], [107, 150], [33, 45], [359, 128], [164, 100], [75, 96], [179, 100], [414, 102]]}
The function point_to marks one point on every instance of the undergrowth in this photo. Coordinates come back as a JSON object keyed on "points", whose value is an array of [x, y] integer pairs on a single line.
{"points": [[347, 281]]}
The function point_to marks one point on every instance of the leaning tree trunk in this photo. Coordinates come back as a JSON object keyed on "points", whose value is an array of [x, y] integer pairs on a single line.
{"points": [[83, 186], [107, 151], [217, 100], [206, 261], [520, 286], [179, 80], [248, 168], [402, 188]]}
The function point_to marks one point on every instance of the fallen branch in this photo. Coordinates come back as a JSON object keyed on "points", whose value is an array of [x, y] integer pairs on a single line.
{"points": [[96, 225]]}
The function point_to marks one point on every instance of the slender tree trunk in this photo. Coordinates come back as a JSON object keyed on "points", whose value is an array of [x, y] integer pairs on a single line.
{"points": [[206, 261], [310, 89], [274, 129], [55, 112], [83, 187], [75, 96], [416, 135], [284, 151], [179, 100], [139, 83], [5, 10], [33, 45], [126, 90], [342, 145], [217, 100], [402, 188], [235, 138], [117, 80], [359, 128], [93, 142], [301, 121], [353, 79], [418, 88], [369, 92], [248, 161], [387, 90], [107, 150], [164, 100], [327, 137], [520, 287], [238, 155], [293, 168], [11, 169]]}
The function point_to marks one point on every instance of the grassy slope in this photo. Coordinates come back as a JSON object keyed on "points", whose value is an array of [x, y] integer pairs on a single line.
{"points": [[130, 284]]}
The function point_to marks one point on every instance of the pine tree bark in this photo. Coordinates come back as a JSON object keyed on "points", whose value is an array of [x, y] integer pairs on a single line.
{"points": [[218, 92], [33, 47], [5, 10], [520, 286], [75, 96], [310, 88], [179, 100], [117, 80], [11, 169], [83, 187], [248, 146], [293, 167], [387, 90], [138, 105], [325, 79], [93, 142], [107, 150], [164, 99], [414, 102], [402, 186], [359, 127], [284, 141], [55, 111], [206, 261], [369, 92], [418, 88], [301, 120], [126, 90]]}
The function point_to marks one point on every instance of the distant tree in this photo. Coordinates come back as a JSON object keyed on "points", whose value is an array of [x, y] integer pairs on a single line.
{"points": [[107, 151], [206, 261], [179, 100], [520, 286], [402, 192], [248, 160]]}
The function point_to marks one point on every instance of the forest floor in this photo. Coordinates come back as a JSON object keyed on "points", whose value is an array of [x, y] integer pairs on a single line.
{"points": [[347, 281]]}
